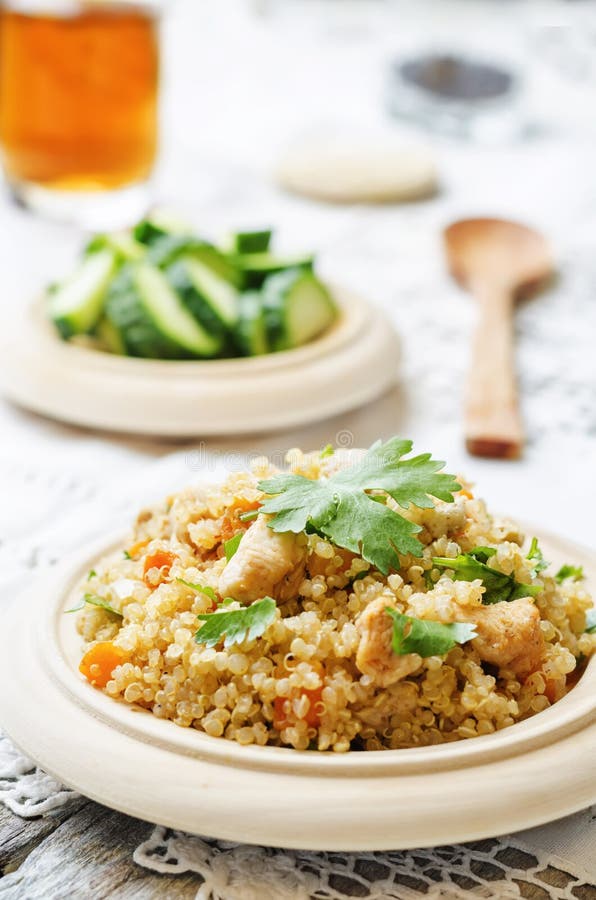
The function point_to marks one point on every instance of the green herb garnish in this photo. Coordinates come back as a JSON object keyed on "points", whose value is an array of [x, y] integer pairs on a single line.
{"points": [[535, 554], [341, 509], [591, 621], [203, 589], [94, 600], [231, 546], [249, 516], [237, 624], [498, 586], [356, 578], [425, 637], [126, 554], [575, 572], [327, 451], [92, 574]]}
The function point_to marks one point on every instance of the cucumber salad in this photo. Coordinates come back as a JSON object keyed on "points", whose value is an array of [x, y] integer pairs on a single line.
{"points": [[159, 291]]}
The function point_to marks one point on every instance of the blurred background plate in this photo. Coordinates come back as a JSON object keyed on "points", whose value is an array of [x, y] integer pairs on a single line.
{"points": [[348, 366]]}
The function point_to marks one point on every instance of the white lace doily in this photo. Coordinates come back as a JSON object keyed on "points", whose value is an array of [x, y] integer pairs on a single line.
{"points": [[495, 869]]}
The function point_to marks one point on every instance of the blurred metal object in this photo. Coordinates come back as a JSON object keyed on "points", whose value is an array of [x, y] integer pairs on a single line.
{"points": [[453, 93]]}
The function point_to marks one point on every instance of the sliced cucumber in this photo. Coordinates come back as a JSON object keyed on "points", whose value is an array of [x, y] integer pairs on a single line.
{"points": [[298, 308], [122, 243], [251, 330], [160, 222], [169, 248], [76, 305], [109, 337], [250, 241], [211, 300], [256, 267], [153, 320]]}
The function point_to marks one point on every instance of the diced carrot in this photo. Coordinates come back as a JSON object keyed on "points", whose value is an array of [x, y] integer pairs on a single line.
{"points": [[135, 551], [162, 560], [550, 690], [466, 493], [99, 662], [283, 714], [231, 522]]}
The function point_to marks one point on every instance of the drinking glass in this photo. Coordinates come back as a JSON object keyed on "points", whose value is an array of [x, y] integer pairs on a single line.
{"points": [[79, 106]]}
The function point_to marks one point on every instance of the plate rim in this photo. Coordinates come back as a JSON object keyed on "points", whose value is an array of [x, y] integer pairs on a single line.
{"points": [[217, 764]]}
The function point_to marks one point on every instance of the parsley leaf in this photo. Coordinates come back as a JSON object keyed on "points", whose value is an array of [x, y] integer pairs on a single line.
{"points": [[94, 600], [535, 554], [575, 572], [327, 451], [591, 621], [340, 509], [126, 554], [92, 573], [237, 624], [498, 586], [208, 591], [231, 546], [425, 637]]}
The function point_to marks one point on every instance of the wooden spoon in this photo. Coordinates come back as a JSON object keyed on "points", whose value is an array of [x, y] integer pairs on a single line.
{"points": [[499, 262]]}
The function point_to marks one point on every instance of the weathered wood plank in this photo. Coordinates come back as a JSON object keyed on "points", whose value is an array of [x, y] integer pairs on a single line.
{"points": [[90, 855], [18, 837]]}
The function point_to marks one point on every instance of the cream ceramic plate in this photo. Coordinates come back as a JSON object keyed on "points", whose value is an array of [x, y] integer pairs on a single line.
{"points": [[530, 773], [352, 363]]}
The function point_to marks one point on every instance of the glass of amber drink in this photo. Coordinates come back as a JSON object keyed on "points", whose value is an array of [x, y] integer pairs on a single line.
{"points": [[79, 105]]}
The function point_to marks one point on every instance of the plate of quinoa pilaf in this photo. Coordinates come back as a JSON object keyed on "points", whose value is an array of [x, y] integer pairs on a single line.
{"points": [[251, 640]]}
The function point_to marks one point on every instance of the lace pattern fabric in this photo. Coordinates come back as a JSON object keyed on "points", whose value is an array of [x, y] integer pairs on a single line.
{"points": [[495, 869]]}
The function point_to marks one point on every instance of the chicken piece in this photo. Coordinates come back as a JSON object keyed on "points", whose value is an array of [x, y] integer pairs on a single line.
{"points": [[509, 635], [444, 518], [375, 656], [266, 563]]}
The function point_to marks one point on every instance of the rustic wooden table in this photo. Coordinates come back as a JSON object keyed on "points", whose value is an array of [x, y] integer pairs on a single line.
{"points": [[80, 851]]}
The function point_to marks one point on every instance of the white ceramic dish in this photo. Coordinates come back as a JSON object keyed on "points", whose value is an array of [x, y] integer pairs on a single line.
{"points": [[352, 363], [127, 759]]}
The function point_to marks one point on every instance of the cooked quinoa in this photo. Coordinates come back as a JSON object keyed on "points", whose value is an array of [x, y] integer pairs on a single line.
{"points": [[323, 675]]}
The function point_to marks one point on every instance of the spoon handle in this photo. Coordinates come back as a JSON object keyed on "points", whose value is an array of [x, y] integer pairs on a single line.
{"points": [[493, 424]]}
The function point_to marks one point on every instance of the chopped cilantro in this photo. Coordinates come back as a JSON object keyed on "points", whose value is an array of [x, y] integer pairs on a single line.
{"points": [[208, 591], [425, 637], [428, 580], [575, 572], [231, 546], [126, 554], [236, 624], [92, 574], [94, 600], [357, 577], [535, 554], [249, 516], [341, 509], [483, 554], [591, 621], [498, 586], [327, 451]]}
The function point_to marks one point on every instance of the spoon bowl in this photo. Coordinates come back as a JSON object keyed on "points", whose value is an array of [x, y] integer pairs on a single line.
{"points": [[506, 251], [499, 262]]}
